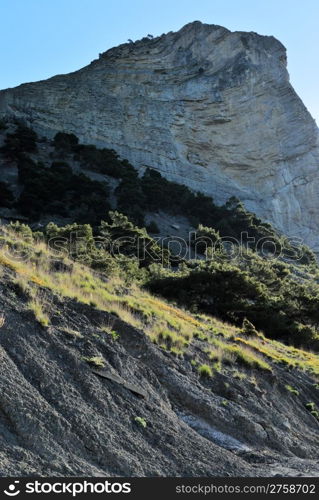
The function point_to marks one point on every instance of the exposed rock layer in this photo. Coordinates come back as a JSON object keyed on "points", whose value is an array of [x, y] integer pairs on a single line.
{"points": [[207, 107]]}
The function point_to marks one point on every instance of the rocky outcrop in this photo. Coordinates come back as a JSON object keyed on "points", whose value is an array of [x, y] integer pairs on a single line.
{"points": [[209, 108]]}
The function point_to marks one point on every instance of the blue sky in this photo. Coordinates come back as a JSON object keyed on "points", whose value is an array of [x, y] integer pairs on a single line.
{"points": [[40, 38]]}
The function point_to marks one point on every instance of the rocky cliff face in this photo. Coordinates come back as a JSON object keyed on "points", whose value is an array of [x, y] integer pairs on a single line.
{"points": [[207, 107]]}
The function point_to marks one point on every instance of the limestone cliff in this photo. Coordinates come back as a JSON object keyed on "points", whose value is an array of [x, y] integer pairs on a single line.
{"points": [[209, 108]]}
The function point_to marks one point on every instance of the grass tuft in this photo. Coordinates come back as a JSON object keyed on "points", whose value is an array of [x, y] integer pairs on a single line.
{"points": [[292, 390], [37, 307], [95, 361], [205, 371], [141, 422]]}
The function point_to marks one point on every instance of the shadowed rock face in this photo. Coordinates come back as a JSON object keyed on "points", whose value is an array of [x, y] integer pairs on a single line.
{"points": [[207, 107]]}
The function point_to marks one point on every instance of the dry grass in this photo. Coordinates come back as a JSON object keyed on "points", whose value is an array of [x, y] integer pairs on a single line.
{"points": [[229, 353], [162, 306], [37, 305], [282, 354], [95, 361], [72, 332], [170, 327], [205, 371]]}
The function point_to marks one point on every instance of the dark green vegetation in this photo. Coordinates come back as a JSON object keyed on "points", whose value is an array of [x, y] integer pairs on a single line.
{"points": [[85, 353], [21, 141], [58, 191], [268, 293], [279, 296], [312, 408], [6, 196]]}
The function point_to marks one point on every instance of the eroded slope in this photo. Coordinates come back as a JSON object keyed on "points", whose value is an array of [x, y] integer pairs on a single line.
{"points": [[61, 322]]}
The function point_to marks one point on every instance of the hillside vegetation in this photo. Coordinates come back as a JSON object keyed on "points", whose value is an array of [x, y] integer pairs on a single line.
{"points": [[222, 348], [244, 269], [58, 312], [36, 267]]}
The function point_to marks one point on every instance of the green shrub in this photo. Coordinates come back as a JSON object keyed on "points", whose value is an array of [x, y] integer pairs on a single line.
{"points": [[65, 142], [104, 161], [132, 241], [310, 406], [110, 331], [57, 190], [315, 414], [248, 328], [292, 390], [22, 140], [207, 241], [248, 288], [205, 371], [141, 422]]}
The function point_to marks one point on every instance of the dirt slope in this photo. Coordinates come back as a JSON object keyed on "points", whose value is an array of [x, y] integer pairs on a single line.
{"points": [[59, 418]]}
